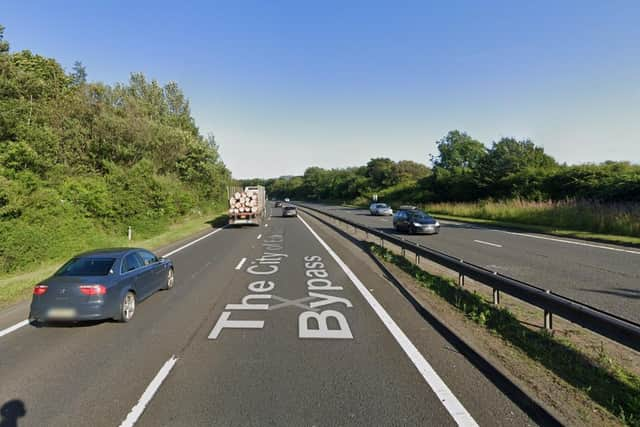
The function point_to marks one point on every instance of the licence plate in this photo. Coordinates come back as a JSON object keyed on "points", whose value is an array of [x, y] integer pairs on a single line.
{"points": [[61, 313]]}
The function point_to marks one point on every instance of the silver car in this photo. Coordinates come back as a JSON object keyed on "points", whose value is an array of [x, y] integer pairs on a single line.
{"points": [[380, 209]]}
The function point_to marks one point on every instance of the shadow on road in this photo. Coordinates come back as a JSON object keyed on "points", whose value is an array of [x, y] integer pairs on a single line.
{"points": [[619, 292], [63, 324], [11, 411]]}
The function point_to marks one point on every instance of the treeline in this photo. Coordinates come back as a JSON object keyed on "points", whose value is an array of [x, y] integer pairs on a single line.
{"points": [[79, 160], [467, 170]]}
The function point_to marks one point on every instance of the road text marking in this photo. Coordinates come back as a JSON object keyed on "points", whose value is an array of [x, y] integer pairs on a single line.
{"points": [[448, 399], [259, 236], [495, 245], [152, 388], [241, 263]]}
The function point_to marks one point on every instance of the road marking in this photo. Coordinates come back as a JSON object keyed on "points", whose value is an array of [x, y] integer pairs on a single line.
{"points": [[488, 243], [175, 251], [148, 394], [259, 236], [266, 225], [241, 263], [14, 328], [571, 242], [448, 399]]}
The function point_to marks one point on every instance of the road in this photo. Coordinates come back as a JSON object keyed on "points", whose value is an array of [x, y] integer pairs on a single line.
{"points": [[282, 324], [601, 275]]}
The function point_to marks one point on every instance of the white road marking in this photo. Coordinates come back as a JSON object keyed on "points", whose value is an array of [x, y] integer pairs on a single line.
{"points": [[488, 243], [241, 263], [259, 236], [266, 225], [448, 399], [14, 328], [152, 388], [571, 242], [175, 251]]}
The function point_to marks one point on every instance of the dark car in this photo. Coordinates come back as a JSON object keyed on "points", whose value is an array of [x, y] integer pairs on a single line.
{"points": [[289, 211], [101, 284], [412, 220], [278, 204]]}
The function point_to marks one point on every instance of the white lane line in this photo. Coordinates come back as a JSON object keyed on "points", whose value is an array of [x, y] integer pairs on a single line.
{"points": [[259, 236], [571, 242], [448, 399], [152, 388], [488, 243], [175, 251], [266, 225], [241, 263], [14, 328]]}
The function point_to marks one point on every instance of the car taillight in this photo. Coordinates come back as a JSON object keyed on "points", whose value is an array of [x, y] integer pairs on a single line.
{"points": [[40, 289], [93, 289]]}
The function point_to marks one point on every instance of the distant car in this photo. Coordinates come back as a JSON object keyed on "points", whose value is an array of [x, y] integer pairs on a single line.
{"points": [[380, 209], [413, 220], [289, 211], [286, 199], [278, 204], [101, 284]]}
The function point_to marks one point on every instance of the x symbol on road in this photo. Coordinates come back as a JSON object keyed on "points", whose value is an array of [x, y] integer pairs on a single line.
{"points": [[297, 302]]}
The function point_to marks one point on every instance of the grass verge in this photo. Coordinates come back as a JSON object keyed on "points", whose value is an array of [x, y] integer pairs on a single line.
{"points": [[600, 378], [16, 287]]}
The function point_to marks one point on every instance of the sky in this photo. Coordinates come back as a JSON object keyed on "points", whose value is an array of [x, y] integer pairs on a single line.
{"points": [[288, 85]]}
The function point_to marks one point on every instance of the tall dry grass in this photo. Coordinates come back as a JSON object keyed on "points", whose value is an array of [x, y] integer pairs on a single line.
{"points": [[621, 218]]}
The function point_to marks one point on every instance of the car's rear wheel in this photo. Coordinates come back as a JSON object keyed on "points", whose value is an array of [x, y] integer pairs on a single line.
{"points": [[170, 279], [127, 307], [412, 229]]}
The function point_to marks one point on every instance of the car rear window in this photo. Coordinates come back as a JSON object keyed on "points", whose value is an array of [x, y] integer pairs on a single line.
{"points": [[289, 208], [87, 266]]}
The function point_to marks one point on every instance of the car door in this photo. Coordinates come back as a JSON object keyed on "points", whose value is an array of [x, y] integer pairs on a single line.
{"points": [[157, 271], [135, 275]]}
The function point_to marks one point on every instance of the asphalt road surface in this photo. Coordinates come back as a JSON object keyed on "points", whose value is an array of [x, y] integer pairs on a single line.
{"points": [[273, 325], [601, 275]]}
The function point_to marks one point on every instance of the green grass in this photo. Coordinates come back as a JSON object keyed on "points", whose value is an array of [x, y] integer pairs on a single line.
{"points": [[603, 380], [17, 286], [612, 221]]}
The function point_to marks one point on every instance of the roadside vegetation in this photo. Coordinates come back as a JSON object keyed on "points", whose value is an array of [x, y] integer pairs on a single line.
{"points": [[603, 380], [512, 181], [82, 161]]}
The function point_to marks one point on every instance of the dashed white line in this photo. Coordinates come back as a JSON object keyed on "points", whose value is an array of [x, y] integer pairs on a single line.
{"points": [[448, 399], [571, 242], [495, 245], [241, 263], [259, 236], [14, 328], [148, 394]]}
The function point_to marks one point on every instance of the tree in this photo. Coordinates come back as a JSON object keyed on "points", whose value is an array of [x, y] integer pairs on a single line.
{"points": [[381, 172], [4, 45], [79, 74], [459, 153]]}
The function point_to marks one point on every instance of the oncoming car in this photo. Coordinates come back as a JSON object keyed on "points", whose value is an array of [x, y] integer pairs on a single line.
{"points": [[380, 209], [289, 211], [412, 220], [101, 284]]}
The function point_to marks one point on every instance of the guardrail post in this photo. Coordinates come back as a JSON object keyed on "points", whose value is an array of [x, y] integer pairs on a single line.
{"points": [[403, 252], [548, 317], [417, 259], [496, 296], [460, 279]]}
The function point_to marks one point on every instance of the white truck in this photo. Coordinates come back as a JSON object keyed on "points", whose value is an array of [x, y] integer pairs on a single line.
{"points": [[248, 205]]}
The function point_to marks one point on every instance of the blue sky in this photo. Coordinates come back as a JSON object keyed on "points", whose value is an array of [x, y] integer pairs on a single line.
{"points": [[287, 85]]}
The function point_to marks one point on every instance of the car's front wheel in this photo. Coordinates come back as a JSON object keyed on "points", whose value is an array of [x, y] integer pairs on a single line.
{"points": [[170, 279], [127, 307]]}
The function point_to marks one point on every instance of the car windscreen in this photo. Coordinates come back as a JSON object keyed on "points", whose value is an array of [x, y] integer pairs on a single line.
{"points": [[420, 215], [86, 266], [382, 206]]}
